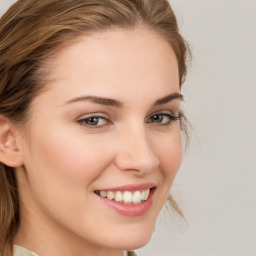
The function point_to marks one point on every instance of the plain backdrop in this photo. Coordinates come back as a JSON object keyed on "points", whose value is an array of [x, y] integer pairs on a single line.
{"points": [[215, 186]]}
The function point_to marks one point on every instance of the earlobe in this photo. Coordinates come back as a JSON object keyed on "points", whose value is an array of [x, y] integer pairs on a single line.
{"points": [[10, 154]]}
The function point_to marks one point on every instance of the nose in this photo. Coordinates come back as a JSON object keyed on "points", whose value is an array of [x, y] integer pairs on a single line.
{"points": [[136, 153]]}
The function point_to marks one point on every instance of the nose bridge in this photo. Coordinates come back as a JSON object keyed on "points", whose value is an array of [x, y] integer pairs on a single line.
{"points": [[136, 152]]}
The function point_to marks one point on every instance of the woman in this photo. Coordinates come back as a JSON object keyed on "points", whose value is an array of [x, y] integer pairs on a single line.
{"points": [[89, 124]]}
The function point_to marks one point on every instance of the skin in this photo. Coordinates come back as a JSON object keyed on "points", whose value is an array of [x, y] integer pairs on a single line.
{"points": [[64, 161]]}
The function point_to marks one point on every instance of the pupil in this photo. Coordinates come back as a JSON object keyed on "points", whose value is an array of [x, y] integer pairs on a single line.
{"points": [[92, 120], [157, 118]]}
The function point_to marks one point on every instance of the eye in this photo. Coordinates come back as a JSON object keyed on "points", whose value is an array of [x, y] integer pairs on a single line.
{"points": [[93, 121], [163, 118]]}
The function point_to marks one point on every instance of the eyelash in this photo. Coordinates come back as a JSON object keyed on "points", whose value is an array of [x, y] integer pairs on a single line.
{"points": [[84, 120], [171, 118]]}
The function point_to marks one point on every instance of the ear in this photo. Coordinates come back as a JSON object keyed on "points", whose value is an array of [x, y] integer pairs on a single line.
{"points": [[10, 154]]}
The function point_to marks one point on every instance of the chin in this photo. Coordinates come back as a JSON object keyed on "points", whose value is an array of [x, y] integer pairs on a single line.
{"points": [[139, 243], [133, 238]]}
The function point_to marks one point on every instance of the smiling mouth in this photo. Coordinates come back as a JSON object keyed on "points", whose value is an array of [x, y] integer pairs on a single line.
{"points": [[126, 197]]}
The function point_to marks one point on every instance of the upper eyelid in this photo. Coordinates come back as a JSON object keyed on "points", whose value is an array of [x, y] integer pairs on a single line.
{"points": [[167, 112], [93, 114], [171, 116]]}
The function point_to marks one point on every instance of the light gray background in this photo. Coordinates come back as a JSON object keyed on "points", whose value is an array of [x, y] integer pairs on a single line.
{"points": [[216, 183]]}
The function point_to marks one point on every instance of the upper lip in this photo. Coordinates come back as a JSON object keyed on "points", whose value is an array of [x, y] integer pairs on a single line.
{"points": [[130, 187]]}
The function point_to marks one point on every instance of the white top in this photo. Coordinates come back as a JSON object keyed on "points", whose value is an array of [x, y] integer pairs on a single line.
{"points": [[21, 251]]}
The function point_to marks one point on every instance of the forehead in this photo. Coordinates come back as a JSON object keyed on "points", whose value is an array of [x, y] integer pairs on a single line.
{"points": [[109, 61], [118, 45]]}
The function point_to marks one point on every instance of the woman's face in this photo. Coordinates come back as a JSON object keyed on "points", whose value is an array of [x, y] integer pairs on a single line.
{"points": [[105, 126]]}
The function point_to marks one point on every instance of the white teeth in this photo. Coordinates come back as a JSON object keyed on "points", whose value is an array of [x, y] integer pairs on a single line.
{"points": [[136, 197], [103, 193], [118, 196], [143, 193], [126, 197], [110, 195], [146, 194]]}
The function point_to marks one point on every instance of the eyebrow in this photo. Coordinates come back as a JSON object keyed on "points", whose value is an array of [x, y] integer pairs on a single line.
{"points": [[119, 104], [168, 98], [98, 100]]}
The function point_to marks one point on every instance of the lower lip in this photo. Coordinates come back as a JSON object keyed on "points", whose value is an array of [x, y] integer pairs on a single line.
{"points": [[131, 210]]}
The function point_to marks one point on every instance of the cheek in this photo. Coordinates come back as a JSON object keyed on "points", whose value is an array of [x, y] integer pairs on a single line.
{"points": [[72, 157], [61, 170], [61, 166], [170, 155]]}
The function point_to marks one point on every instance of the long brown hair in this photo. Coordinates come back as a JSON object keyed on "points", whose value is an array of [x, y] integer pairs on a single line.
{"points": [[30, 32]]}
